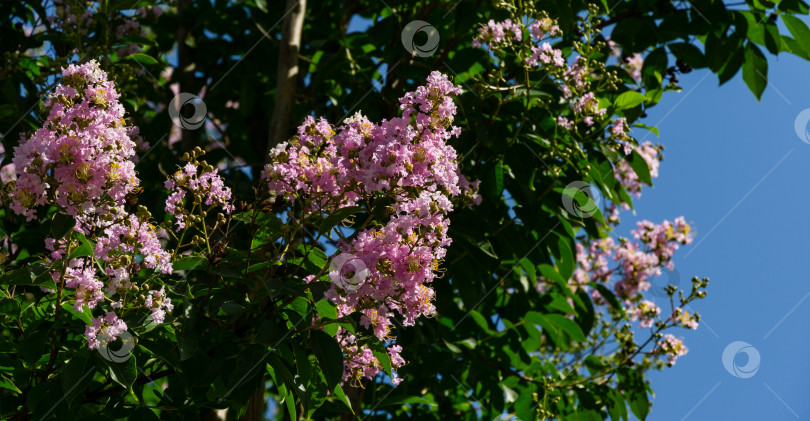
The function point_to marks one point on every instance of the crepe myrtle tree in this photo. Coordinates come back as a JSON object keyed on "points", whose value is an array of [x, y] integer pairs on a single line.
{"points": [[339, 210]]}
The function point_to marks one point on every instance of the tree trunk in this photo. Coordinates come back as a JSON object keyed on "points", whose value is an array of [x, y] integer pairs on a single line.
{"points": [[287, 71]]}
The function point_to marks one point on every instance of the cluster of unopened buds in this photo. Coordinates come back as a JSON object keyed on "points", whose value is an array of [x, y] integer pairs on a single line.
{"points": [[404, 162], [81, 161]]}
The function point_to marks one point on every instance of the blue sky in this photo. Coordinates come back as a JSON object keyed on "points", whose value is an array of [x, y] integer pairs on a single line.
{"points": [[737, 170]]}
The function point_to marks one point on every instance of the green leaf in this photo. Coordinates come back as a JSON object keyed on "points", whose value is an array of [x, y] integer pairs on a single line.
{"points": [[454, 349], [595, 365], [690, 54], [143, 59], [125, 372], [337, 217], [289, 402], [755, 70], [61, 225], [608, 295], [632, 385], [85, 315], [495, 179], [655, 66], [568, 326], [773, 39], [24, 276], [548, 326], [326, 309], [481, 321], [280, 371], [732, 66], [191, 263], [800, 31], [531, 270], [629, 99], [566, 264], [86, 248], [76, 375], [7, 383], [550, 272], [9, 307], [329, 355], [559, 303], [341, 396], [791, 46], [616, 405], [382, 356], [650, 128], [639, 165]]}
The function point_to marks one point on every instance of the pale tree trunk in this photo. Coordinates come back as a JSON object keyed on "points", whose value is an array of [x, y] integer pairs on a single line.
{"points": [[287, 71]]}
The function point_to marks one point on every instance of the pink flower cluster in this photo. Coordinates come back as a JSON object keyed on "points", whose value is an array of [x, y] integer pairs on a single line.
{"points": [[542, 27], [159, 303], [636, 262], [405, 161], [82, 153], [81, 161], [628, 177], [546, 54], [129, 236], [617, 129], [104, 329], [672, 347], [206, 187], [646, 311], [88, 287], [498, 32]]}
